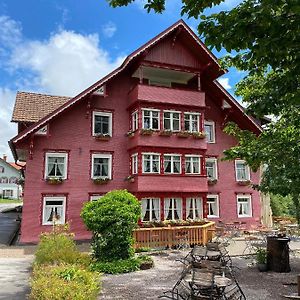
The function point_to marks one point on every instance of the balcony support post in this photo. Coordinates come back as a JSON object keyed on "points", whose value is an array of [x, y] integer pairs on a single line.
{"points": [[141, 74], [199, 82]]}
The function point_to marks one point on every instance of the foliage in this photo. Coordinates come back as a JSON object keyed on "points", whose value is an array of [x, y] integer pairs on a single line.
{"points": [[261, 256], [57, 247], [282, 206], [250, 33], [6, 201], [122, 265], [142, 249], [63, 282], [112, 219]]}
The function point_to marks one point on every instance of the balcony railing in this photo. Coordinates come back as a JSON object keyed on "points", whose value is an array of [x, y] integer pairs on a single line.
{"points": [[162, 237], [158, 94]]}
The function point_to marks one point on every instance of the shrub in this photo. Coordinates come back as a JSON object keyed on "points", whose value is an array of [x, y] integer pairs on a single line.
{"points": [[58, 246], [122, 265], [112, 219], [63, 282]]}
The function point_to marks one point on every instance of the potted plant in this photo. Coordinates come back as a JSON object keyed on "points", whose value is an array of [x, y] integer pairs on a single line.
{"points": [[198, 135], [183, 134], [261, 259], [244, 182], [212, 181], [146, 131], [130, 134], [129, 178], [102, 137], [101, 180], [54, 180], [166, 132]]}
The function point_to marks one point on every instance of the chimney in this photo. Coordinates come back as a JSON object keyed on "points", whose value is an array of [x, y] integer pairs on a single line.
{"points": [[4, 157]]}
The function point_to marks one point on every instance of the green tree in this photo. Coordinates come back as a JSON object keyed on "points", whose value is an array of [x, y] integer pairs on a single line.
{"points": [[112, 219], [262, 38]]}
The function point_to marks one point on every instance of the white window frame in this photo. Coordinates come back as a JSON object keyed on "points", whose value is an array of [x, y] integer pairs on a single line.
{"points": [[238, 197], [42, 131], [95, 197], [151, 163], [56, 154], [173, 211], [213, 131], [216, 197], [187, 209], [190, 121], [134, 163], [135, 120], [54, 198], [215, 167], [11, 193], [151, 110], [247, 170], [171, 119], [104, 114], [172, 163], [102, 155], [192, 162], [150, 211]]}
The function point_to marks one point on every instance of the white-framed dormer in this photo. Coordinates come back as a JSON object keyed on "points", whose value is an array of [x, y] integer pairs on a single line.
{"points": [[54, 210], [56, 165], [102, 123], [211, 168], [242, 170], [101, 166], [210, 131], [244, 205]]}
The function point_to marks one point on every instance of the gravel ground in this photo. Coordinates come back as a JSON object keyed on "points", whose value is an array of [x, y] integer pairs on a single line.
{"points": [[151, 283]]}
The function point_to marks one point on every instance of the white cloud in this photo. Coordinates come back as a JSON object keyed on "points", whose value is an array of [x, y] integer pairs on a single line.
{"points": [[225, 83], [64, 64], [109, 29], [7, 129]]}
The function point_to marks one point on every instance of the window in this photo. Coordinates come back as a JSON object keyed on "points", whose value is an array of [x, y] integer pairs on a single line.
{"points": [[150, 209], [8, 194], [244, 208], [191, 122], [101, 166], [194, 208], [151, 163], [13, 180], [1, 169], [213, 206], [242, 171], [134, 120], [95, 197], [209, 127], [42, 131], [54, 210], [173, 208], [150, 119], [211, 168], [134, 163], [172, 164], [3, 180], [102, 123], [56, 165], [171, 120], [192, 164]]}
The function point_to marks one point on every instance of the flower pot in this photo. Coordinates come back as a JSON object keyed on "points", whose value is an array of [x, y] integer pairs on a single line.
{"points": [[262, 267], [102, 138]]}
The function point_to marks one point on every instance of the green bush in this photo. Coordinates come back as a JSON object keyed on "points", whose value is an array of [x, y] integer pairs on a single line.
{"points": [[123, 265], [142, 249], [282, 206], [112, 219], [57, 247], [63, 282]]}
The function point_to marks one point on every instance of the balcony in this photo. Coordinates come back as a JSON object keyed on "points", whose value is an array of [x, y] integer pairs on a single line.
{"points": [[165, 95], [165, 183]]}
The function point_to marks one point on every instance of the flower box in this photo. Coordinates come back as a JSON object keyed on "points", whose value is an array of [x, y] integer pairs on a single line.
{"points": [[130, 178], [102, 137], [166, 133], [198, 135], [130, 134], [101, 180], [146, 131], [183, 134], [212, 181], [244, 182], [54, 180]]}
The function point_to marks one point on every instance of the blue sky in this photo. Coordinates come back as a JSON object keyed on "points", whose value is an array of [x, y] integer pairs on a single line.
{"points": [[60, 47]]}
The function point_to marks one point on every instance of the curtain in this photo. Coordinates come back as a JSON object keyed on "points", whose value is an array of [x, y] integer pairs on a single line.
{"points": [[176, 167], [155, 164], [168, 209], [167, 164], [145, 210], [177, 208], [155, 209]]}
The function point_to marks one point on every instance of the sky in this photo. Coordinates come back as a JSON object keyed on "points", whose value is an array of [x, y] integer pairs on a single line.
{"points": [[60, 47]]}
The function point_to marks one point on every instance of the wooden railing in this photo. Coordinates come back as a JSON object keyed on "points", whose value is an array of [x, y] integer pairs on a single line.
{"points": [[162, 237]]}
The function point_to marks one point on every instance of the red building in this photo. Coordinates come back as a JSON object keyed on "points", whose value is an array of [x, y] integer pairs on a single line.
{"points": [[139, 128]]}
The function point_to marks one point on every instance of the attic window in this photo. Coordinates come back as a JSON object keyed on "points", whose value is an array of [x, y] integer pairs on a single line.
{"points": [[100, 91], [42, 131]]}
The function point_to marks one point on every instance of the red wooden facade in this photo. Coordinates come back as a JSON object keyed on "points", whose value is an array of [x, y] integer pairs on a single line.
{"points": [[173, 72]]}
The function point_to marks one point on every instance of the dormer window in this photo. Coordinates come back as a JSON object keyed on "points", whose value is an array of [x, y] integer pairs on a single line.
{"points": [[102, 123]]}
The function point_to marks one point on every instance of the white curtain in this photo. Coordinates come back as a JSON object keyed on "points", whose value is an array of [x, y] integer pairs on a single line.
{"points": [[178, 208], [155, 209], [144, 207]]}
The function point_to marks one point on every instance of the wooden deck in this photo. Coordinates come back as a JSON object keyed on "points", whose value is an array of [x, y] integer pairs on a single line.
{"points": [[162, 237]]}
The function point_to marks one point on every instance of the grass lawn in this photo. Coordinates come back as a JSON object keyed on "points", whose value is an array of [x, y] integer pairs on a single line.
{"points": [[7, 201]]}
